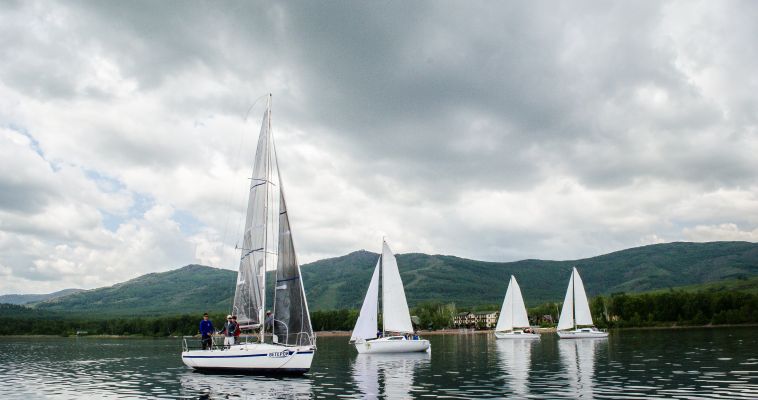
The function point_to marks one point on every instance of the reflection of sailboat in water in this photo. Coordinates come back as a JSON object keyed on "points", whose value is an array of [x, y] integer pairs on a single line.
{"points": [[516, 359], [387, 375], [578, 359], [213, 386]]}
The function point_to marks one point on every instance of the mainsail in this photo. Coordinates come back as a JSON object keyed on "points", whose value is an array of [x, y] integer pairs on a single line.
{"points": [[249, 295], [395, 314]]}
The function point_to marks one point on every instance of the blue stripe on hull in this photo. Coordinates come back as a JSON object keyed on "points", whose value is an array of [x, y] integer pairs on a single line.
{"points": [[245, 355], [253, 371]]}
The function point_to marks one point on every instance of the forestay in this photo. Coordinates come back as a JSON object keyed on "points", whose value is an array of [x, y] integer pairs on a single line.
{"points": [[395, 314], [366, 325]]}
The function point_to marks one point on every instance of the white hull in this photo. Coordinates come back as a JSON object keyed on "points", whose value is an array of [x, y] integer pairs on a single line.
{"points": [[385, 345], [582, 334], [252, 358], [516, 335]]}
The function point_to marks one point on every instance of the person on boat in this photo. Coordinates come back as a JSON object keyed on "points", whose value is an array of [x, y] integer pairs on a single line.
{"points": [[206, 331], [269, 321], [378, 333], [237, 332], [230, 327]]}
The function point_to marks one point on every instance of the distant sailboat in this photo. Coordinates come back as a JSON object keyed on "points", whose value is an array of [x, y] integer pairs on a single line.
{"points": [[267, 243], [513, 318], [396, 319], [576, 319]]}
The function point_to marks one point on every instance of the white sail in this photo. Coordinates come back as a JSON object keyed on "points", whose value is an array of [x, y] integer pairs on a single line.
{"points": [[520, 317], [567, 312], [513, 312], [505, 319], [581, 305], [395, 314], [366, 325], [249, 296]]}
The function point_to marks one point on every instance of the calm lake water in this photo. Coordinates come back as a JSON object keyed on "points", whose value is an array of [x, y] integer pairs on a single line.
{"points": [[693, 363]]}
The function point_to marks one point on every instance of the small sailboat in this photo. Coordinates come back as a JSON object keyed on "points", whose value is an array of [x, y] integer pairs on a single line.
{"points": [[397, 334], [267, 244], [576, 319], [513, 322]]}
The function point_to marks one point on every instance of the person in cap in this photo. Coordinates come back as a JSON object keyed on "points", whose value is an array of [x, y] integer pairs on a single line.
{"points": [[206, 331], [230, 327]]}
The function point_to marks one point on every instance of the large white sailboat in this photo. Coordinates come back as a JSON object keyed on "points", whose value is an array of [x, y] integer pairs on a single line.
{"points": [[285, 341], [513, 322], [576, 319], [397, 334]]}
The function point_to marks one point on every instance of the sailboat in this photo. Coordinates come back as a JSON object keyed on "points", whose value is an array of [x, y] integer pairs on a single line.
{"points": [[267, 244], [513, 320], [396, 319], [576, 320]]}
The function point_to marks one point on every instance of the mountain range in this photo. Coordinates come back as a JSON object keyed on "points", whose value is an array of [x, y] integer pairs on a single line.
{"points": [[341, 282]]}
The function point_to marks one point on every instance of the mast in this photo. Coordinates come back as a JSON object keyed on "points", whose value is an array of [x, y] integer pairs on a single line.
{"points": [[381, 280], [512, 313], [262, 312], [573, 297]]}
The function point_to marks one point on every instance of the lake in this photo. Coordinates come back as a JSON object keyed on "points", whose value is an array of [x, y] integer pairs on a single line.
{"points": [[684, 363]]}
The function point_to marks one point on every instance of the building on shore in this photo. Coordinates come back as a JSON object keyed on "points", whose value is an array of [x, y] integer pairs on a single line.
{"points": [[479, 319]]}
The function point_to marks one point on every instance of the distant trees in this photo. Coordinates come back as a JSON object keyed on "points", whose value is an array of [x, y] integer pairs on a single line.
{"points": [[617, 310], [435, 315]]}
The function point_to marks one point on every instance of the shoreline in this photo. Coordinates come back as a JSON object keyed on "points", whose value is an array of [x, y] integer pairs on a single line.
{"points": [[420, 333]]}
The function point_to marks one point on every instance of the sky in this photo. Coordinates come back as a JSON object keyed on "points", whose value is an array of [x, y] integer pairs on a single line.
{"points": [[488, 130]]}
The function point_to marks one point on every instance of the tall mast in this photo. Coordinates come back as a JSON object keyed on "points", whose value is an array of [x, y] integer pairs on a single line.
{"points": [[381, 280], [573, 297], [262, 314], [511, 294]]}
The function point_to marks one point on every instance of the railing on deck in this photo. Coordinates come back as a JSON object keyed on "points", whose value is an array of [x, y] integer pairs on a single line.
{"points": [[217, 342]]}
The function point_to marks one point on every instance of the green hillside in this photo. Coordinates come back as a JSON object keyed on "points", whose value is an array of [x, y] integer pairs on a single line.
{"points": [[194, 288], [35, 298], [341, 282]]}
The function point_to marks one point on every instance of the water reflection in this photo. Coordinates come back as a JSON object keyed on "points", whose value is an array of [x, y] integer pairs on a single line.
{"points": [[578, 359], [212, 386], [515, 357], [387, 375]]}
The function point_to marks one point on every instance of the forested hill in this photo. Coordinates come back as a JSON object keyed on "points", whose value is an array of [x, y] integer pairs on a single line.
{"points": [[341, 282], [35, 298]]}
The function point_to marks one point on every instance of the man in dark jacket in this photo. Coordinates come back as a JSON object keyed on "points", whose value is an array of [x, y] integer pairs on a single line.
{"points": [[230, 327], [206, 330]]}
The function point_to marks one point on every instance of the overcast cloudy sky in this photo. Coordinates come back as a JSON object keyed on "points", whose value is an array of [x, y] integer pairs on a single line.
{"points": [[487, 130]]}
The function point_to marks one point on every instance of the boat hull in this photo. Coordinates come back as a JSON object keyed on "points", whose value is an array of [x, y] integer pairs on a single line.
{"points": [[383, 345], [516, 335], [582, 334], [252, 358]]}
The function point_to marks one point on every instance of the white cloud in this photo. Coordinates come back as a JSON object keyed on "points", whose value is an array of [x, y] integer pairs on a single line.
{"points": [[124, 149]]}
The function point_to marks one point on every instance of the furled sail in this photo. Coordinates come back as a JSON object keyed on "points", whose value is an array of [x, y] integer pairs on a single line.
{"points": [[567, 312], [249, 294], [366, 325], [292, 323], [581, 305], [395, 314]]}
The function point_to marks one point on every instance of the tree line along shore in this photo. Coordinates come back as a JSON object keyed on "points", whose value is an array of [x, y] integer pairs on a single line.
{"points": [[660, 309]]}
